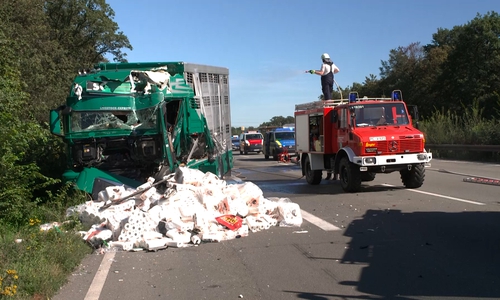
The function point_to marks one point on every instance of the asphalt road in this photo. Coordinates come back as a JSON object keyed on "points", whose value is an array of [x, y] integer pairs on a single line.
{"points": [[441, 241]]}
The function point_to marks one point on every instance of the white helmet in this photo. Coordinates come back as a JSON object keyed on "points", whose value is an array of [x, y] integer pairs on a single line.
{"points": [[325, 56]]}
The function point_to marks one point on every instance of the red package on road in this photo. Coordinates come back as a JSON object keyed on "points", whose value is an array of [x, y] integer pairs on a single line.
{"points": [[230, 221]]}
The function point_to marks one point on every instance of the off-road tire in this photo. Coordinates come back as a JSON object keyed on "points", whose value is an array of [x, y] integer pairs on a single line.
{"points": [[367, 176], [350, 177], [413, 178], [313, 177]]}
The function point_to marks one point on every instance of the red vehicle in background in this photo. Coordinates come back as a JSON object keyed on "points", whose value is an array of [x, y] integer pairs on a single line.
{"points": [[251, 141], [354, 139]]}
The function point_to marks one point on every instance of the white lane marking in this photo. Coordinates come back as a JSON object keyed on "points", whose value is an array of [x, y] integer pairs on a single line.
{"points": [[318, 222], [100, 277], [441, 196]]}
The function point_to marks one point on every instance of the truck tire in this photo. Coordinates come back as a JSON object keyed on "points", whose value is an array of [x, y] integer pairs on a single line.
{"points": [[350, 177], [413, 178], [313, 177], [367, 176]]}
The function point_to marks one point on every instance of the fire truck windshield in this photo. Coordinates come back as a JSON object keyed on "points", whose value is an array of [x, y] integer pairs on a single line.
{"points": [[386, 113]]}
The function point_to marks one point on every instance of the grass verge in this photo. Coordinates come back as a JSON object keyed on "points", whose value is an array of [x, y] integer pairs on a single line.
{"points": [[35, 263]]}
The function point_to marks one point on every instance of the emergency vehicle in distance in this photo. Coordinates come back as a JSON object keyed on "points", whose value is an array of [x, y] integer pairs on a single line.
{"points": [[356, 138], [251, 141], [278, 141]]}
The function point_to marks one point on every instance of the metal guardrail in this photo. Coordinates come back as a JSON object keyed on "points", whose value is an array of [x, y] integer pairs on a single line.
{"points": [[481, 148]]}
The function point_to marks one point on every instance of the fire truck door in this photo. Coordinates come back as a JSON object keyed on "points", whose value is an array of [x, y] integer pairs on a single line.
{"points": [[343, 136]]}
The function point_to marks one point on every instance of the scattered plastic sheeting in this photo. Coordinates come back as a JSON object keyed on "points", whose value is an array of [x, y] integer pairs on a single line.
{"points": [[188, 213]]}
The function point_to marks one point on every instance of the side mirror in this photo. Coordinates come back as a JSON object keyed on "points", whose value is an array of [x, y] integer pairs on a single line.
{"points": [[55, 122], [66, 110], [334, 116], [352, 111], [413, 110]]}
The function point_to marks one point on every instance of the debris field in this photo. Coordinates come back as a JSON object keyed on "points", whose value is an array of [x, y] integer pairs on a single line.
{"points": [[185, 208]]}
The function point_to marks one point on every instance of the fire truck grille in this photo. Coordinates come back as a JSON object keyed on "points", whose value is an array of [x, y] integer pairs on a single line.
{"points": [[400, 146]]}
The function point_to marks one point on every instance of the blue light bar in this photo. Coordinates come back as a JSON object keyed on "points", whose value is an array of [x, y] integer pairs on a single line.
{"points": [[353, 97], [396, 95]]}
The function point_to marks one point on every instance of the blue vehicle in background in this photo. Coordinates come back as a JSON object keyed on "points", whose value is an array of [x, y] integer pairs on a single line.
{"points": [[235, 142], [279, 140]]}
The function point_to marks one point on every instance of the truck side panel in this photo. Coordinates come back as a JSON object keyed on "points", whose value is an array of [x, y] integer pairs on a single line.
{"points": [[302, 133]]}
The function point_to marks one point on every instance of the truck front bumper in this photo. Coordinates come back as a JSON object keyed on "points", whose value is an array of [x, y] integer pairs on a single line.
{"points": [[253, 148], [392, 160]]}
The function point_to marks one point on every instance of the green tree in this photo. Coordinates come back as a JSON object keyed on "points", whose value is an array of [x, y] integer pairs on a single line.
{"points": [[20, 176], [53, 39], [471, 69], [401, 71], [278, 121]]}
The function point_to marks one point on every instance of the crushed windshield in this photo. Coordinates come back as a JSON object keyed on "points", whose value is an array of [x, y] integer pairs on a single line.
{"points": [[122, 119], [381, 114]]}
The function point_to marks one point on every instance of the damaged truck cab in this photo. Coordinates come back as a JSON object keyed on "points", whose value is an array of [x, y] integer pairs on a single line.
{"points": [[125, 122]]}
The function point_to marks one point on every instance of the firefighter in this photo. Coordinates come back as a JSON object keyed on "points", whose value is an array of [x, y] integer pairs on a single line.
{"points": [[328, 69]]}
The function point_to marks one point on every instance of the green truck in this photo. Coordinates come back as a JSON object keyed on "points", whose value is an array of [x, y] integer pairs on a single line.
{"points": [[126, 122]]}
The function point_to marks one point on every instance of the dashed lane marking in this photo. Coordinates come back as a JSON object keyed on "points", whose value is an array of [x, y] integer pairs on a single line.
{"points": [[318, 222], [440, 196]]}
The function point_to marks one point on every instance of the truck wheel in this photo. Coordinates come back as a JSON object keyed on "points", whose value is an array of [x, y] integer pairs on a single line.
{"points": [[350, 179], [312, 176], [367, 176], [413, 178]]}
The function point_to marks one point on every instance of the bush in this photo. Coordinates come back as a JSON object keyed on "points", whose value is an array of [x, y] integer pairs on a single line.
{"points": [[468, 129]]}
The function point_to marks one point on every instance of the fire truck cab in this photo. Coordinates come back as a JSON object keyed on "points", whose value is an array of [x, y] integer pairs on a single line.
{"points": [[356, 138]]}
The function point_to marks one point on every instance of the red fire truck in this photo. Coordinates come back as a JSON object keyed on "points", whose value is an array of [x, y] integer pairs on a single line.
{"points": [[356, 138]]}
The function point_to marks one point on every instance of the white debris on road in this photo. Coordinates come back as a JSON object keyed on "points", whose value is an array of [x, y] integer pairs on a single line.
{"points": [[196, 207]]}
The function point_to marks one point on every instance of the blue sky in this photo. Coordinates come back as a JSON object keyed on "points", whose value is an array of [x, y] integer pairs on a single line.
{"points": [[268, 44]]}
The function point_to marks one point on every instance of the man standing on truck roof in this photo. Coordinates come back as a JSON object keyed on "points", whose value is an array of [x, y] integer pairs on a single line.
{"points": [[328, 68]]}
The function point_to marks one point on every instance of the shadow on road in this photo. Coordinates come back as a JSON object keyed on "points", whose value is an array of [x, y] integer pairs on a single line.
{"points": [[426, 254]]}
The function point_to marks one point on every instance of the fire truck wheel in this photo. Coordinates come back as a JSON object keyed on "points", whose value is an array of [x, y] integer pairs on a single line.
{"points": [[413, 178], [367, 176], [350, 179], [312, 176]]}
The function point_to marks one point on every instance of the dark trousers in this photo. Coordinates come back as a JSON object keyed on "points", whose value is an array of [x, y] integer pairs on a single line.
{"points": [[327, 86]]}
